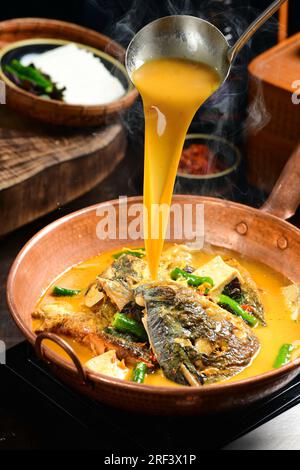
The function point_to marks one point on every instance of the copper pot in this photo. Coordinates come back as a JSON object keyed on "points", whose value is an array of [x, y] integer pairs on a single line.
{"points": [[263, 235]]}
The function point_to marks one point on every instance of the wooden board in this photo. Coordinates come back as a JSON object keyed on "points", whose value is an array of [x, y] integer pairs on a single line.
{"points": [[44, 167]]}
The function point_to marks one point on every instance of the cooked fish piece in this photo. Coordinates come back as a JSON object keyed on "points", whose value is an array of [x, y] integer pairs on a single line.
{"points": [[87, 328], [129, 351], [94, 296], [291, 296], [117, 291], [194, 340], [53, 309], [119, 279], [177, 256], [101, 314], [56, 317], [249, 291]]}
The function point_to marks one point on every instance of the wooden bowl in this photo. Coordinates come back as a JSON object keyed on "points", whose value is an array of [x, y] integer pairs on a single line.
{"points": [[74, 238], [58, 112]]}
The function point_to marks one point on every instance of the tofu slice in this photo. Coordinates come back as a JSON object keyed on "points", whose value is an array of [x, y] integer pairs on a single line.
{"points": [[291, 296], [220, 272], [108, 364]]}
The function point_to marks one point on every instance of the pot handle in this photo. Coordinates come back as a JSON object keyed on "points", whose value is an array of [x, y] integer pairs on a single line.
{"points": [[65, 346], [285, 197]]}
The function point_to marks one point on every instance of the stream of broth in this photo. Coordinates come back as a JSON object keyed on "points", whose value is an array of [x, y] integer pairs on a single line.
{"points": [[280, 328], [172, 90]]}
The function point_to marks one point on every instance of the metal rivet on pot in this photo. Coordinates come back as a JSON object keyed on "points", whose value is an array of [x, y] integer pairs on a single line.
{"points": [[282, 243], [242, 228]]}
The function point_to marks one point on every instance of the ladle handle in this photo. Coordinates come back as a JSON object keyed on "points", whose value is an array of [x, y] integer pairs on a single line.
{"points": [[234, 50], [285, 197]]}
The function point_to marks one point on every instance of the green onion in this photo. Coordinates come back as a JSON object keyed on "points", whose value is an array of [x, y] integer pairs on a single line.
{"points": [[33, 74], [139, 372], [192, 280], [62, 292], [21, 77], [238, 310], [284, 355], [127, 325], [138, 253]]}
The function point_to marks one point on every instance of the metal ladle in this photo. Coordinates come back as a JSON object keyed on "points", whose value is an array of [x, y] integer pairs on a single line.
{"points": [[190, 38]]}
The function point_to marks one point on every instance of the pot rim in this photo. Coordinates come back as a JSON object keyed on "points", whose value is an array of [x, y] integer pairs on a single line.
{"points": [[119, 383]]}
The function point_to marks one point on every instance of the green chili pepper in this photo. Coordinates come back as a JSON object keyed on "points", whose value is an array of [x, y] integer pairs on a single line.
{"points": [[127, 325], [192, 280], [139, 372], [238, 310], [62, 292], [284, 355], [138, 252]]}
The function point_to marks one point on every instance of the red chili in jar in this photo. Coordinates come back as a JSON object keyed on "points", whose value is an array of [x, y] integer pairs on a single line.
{"points": [[198, 159]]}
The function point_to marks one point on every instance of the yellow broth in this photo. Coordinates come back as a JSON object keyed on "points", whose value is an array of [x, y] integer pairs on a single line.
{"points": [[280, 328], [172, 90]]}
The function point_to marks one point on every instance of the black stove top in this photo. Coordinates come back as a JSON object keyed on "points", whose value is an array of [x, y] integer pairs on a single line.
{"points": [[39, 412]]}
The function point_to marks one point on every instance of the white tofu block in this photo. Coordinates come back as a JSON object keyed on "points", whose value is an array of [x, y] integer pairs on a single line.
{"points": [[220, 272], [108, 364]]}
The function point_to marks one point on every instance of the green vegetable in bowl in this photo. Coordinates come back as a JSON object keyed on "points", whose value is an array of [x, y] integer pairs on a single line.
{"points": [[31, 79], [139, 373], [62, 292], [32, 74], [127, 325], [284, 355], [192, 280], [138, 253], [235, 308]]}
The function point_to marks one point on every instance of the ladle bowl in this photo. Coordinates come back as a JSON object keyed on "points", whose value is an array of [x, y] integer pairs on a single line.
{"points": [[190, 38]]}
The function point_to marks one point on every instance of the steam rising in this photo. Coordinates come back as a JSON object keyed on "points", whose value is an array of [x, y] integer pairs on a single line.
{"points": [[258, 115], [225, 114]]}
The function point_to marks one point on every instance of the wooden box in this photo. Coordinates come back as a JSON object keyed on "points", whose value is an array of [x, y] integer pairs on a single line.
{"points": [[273, 81]]}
